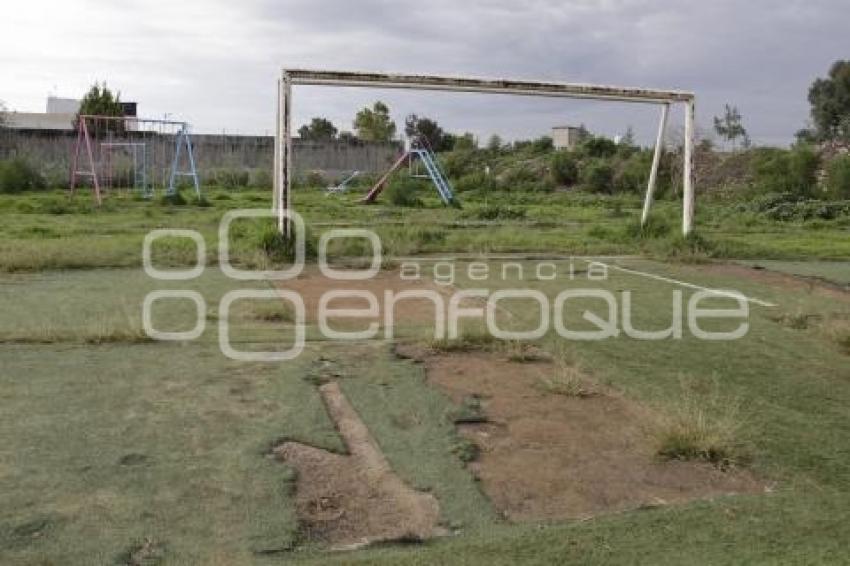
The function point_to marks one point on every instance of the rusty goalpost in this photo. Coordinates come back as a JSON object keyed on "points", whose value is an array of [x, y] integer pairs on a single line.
{"points": [[283, 171]]}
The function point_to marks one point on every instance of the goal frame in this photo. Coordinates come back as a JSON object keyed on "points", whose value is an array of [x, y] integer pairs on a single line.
{"points": [[290, 77]]}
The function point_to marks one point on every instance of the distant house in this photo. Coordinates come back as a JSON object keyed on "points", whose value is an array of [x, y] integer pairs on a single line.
{"points": [[567, 137], [59, 116]]}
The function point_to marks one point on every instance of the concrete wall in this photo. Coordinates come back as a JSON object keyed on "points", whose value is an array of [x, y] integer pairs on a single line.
{"points": [[51, 150]]}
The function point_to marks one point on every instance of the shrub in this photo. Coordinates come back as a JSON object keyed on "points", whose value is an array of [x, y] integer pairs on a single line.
{"points": [[459, 163], [261, 179], [274, 245], [779, 170], [404, 191], [598, 147], [522, 177], [173, 199], [598, 176], [229, 178], [655, 227], [17, 175], [633, 174], [474, 182], [838, 177], [564, 168]]}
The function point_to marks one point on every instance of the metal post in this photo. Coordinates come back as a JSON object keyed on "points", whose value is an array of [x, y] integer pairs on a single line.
{"points": [[656, 160], [688, 171], [191, 155], [276, 170], [75, 160], [93, 168], [179, 144], [285, 157]]}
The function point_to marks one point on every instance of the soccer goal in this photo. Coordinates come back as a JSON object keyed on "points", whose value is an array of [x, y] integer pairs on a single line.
{"points": [[135, 154], [283, 171]]}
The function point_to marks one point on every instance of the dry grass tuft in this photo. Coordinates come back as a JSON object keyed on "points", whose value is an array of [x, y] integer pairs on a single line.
{"points": [[272, 311], [701, 428], [568, 380], [468, 340]]}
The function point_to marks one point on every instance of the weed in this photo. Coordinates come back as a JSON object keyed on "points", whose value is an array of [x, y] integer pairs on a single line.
{"points": [[466, 450], [467, 341], [701, 428], [469, 411], [522, 352], [272, 311], [797, 321], [567, 380]]}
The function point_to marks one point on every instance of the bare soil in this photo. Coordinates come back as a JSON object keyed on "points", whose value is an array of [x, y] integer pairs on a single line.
{"points": [[355, 499], [312, 284], [547, 456]]}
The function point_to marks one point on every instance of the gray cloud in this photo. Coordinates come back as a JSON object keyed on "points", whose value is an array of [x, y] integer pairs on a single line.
{"points": [[215, 63]]}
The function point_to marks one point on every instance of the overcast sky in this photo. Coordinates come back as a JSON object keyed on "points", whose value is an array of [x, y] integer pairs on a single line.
{"points": [[214, 62]]}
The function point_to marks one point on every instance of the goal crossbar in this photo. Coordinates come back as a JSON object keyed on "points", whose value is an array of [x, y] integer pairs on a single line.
{"points": [[306, 77]]}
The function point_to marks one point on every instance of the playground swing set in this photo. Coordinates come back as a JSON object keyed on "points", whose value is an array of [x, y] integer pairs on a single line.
{"points": [[124, 152]]}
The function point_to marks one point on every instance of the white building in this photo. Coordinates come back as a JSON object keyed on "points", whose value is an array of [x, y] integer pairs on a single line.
{"points": [[567, 137]]}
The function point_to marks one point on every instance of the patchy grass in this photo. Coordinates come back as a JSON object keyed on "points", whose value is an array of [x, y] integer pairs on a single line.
{"points": [[272, 311]]}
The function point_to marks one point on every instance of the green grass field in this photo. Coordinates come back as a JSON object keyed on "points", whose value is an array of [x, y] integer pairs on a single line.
{"points": [[118, 450]]}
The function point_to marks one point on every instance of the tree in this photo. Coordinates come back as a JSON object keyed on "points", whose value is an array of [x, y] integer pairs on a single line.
{"points": [[348, 137], [100, 101], [830, 100], [495, 143], [628, 138], [465, 142], [430, 130], [320, 129], [375, 124], [729, 127]]}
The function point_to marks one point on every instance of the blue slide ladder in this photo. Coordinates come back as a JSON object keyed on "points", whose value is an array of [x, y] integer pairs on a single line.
{"points": [[420, 147]]}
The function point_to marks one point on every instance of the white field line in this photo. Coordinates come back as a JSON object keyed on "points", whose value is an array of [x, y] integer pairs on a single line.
{"points": [[718, 292], [508, 256]]}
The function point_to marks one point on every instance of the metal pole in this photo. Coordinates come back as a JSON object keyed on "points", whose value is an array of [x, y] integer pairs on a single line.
{"points": [[688, 171], [656, 160], [190, 152], [276, 170], [93, 169], [285, 153]]}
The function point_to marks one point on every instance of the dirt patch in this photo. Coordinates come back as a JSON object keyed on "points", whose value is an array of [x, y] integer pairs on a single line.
{"points": [[355, 499], [312, 285], [549, 456]]}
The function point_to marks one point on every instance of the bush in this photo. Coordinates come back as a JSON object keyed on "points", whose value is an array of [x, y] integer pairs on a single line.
{"points": [[261, 179], [838, 177], [633, 175], [474, 182], [598, 176], [460, 163], [404, 191], [229, 178], [564, 168], [598, 147], [17, 175], [523, 177], [784, 171]]}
